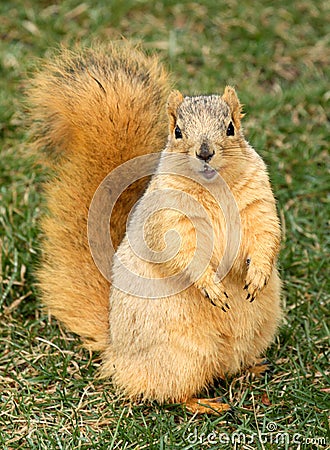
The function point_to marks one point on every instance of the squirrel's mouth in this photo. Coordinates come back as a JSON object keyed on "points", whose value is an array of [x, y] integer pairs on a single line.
{"points": [[208, 172]]}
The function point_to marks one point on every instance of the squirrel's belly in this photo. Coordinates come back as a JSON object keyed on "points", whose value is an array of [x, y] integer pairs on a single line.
{"points": [[168, 349]]}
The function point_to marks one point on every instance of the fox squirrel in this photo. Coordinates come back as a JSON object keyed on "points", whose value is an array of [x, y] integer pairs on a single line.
{"points": [[176, 319]]}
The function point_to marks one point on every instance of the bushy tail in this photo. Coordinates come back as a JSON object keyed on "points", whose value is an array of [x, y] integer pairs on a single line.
{"points": [[91, 111]]}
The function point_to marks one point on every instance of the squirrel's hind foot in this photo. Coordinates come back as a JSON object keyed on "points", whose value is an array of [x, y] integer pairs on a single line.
{"points": [[207, 405]]}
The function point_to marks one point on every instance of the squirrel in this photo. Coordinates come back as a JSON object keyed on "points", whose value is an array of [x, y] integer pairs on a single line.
{"points": [[194, 290]]}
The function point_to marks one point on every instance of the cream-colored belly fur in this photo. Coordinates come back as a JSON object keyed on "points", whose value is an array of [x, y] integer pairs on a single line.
{"points": [[168, 349]]}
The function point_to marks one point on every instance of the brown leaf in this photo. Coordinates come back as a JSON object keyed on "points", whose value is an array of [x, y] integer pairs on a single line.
{"points": [[265, 399]]}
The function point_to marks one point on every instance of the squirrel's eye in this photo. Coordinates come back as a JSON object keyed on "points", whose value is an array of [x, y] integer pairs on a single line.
{"points": [[230, 129], [177, 133]]}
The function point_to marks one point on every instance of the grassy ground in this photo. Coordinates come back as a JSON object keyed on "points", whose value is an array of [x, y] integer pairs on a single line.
{"points": [[276, 54]]}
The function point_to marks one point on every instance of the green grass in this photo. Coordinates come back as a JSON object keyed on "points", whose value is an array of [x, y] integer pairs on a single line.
{"points": [[276, 54]]}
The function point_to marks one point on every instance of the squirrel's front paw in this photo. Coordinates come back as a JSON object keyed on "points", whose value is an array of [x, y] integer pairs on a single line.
{"points": [[217, 296], [256, 280]]}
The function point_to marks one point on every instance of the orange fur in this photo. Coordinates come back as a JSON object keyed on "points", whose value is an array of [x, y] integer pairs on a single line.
{"points": [[91, 110]]}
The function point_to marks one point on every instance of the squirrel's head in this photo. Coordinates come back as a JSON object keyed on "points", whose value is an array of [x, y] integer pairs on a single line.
{"points": [[205, 127]]}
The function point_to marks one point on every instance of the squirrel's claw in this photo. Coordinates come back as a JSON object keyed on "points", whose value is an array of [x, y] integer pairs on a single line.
{"points": [[216, 299], [256, 280]]}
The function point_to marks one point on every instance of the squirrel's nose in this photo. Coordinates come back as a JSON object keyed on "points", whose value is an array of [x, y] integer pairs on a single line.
{"points": [[204, 152]]}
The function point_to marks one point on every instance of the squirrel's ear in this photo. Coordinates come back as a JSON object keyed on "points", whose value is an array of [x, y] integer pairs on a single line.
{"points": [[174, 101], [230, 97]]}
